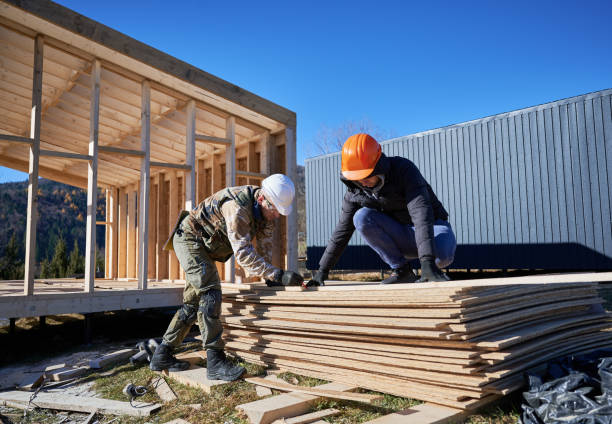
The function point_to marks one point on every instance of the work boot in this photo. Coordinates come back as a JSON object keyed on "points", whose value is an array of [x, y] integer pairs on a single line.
{"points": [[163, 359], [218, 367], [404, 274]]}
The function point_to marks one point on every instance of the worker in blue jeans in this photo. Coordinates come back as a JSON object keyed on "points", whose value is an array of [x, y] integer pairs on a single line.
{"points": [[396, 211]]}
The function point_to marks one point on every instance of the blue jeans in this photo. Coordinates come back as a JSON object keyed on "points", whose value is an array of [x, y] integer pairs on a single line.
{"points": [[395, 243]]}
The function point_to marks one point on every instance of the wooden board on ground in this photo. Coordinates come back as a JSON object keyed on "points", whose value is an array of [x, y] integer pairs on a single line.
{"points": [[427, 413], [163, 390], [313, 417], [65, 402], [111, 358], [194, 377], [333, 394], [265, 411]]}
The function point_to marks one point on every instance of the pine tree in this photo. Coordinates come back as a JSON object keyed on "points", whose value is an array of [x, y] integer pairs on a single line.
{"points": [[45, 269], [59, 262], [11, 266], [76, 262]]}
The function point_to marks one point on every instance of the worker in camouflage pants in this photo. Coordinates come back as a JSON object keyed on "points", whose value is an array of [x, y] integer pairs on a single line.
{"points": [[223, 225]]}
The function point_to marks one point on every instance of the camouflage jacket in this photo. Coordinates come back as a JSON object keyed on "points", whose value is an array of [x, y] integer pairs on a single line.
{"points": [[228, 221]]}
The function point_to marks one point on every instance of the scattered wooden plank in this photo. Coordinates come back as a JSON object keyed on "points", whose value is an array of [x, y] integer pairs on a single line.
{"points": [[163, 390], [66, 373], [426, 413], [263, 391], [111, 358], [265, 411], [333, 394], [80, 403], [312, 417], [194, 377]]}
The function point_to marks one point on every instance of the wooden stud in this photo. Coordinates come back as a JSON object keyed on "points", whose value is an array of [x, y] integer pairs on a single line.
{"points": [[145, 179], [230, 181], [162, 226], [92, 179], [113, 232], [190, 179], [152, 231], [32, 214], [174, 208], [106, 234], [122, 224], [131, 249], [291, 167]]}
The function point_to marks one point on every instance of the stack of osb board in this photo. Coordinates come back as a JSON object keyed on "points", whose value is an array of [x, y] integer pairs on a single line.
{"points": [[460, 344]]}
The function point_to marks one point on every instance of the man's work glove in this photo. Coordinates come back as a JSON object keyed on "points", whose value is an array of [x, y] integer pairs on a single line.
{"points": [[431, 272], [285, 278], [318, 279]]}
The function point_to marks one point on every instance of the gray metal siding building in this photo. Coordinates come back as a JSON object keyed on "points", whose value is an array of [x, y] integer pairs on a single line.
{"points": [[525, 189]]}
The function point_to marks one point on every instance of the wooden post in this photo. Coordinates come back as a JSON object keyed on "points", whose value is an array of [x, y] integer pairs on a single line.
{"points": [[32, 214], [92, 179], [111, 241], [122, 240], [162, 226], [173, 207], [201, 179], [252, 162], [132, 200], [190, 178], [292, 227], [230, 181], [107, 236], [152, 232], [145, 175]]}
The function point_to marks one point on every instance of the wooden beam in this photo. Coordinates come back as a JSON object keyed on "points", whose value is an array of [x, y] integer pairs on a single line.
{"points": [[170, 165], [107, 44], [257, 175], [190, 137], [230, 181], [66, 155], [292, 228], [145, 176], [34, 148], [213, 140], [16, 139], [92, 179], [112, 149]]}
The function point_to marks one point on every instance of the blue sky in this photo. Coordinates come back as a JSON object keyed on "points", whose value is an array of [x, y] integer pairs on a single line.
{"points": [[403, 66]]}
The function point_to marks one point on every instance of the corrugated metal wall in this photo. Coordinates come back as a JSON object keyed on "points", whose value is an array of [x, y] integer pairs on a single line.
{"points": [[524, 189]]}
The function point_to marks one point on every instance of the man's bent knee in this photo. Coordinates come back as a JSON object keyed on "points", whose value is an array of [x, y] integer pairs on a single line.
{"points": [[210, 305], [362, 217], [188, 313], [445, 261]]}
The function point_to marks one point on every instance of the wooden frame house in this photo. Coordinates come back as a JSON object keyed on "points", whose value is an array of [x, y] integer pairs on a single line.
{"points": [[83, 104]]}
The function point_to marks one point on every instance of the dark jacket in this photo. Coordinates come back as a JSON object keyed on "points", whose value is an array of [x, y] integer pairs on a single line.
{"points": [[405, 196]]}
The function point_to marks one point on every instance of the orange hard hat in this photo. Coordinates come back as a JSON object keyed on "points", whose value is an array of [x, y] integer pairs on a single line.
{"points": [[360, 155]]}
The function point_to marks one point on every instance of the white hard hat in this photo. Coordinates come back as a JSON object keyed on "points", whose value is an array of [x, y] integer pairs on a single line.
{"points": [[279, 191]]}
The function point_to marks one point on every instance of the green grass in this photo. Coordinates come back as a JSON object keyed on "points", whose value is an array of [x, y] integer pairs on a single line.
{"points": [[219, 407]]}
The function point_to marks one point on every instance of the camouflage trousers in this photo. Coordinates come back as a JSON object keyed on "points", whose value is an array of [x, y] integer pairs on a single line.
{"points": [[201, 296]]}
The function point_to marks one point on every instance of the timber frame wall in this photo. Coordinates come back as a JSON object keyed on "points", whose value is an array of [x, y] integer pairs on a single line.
{"points": [[83, 104]]}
